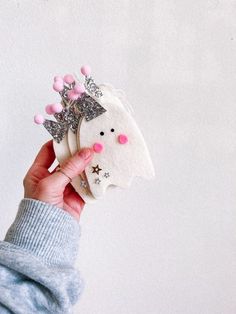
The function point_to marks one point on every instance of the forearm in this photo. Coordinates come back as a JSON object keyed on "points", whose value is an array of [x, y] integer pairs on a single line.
{"points": [[37, 258]]}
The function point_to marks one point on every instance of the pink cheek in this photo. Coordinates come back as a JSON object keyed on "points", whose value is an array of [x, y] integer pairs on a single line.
{"points": [[122, 139], [98, 147]]}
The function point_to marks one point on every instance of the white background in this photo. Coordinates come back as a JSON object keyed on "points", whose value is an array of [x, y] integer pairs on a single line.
{"points": [[166, 246]]}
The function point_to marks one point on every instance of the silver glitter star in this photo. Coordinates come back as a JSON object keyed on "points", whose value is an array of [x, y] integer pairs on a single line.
{"points": [[97, 181], [106, 175], [83, 184]]}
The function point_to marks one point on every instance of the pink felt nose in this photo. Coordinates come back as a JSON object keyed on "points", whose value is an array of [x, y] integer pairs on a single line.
{"points": [[98, 147], [122, 139]]}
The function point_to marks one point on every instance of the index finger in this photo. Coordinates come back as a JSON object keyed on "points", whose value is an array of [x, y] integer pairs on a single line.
{"points": [[46, 156]]}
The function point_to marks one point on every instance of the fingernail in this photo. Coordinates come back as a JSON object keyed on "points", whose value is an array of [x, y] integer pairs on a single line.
{"points": [[85, 153]]}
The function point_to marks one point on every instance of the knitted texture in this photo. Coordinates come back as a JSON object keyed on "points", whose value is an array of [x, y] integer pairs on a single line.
{"points": [[37, 257]]}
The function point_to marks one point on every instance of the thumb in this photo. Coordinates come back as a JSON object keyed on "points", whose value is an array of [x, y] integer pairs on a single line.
{"points": [[71, 168]]}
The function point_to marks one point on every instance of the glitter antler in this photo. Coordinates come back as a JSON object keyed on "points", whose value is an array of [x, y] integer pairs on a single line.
{"points": [[76, 104]]}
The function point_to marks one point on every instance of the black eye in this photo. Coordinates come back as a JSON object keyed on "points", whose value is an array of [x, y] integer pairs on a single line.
{"points": [[112, 130], [101, 133]]}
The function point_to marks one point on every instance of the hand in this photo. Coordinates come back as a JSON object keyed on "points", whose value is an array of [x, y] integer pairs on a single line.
{"points": [[54, 187]]}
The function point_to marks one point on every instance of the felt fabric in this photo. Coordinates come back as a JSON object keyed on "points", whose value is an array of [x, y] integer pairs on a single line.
{"points": [[121, 161]]}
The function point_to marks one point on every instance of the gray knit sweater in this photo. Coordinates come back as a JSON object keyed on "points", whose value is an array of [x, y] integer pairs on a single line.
{"points": [[37, 257]]}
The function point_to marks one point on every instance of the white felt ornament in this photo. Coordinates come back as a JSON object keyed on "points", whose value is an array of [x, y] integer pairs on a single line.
{"points": [[119, 162], [101, 120]]}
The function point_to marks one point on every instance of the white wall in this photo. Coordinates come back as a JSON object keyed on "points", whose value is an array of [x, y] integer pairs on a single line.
{"points": [[166, 246]]}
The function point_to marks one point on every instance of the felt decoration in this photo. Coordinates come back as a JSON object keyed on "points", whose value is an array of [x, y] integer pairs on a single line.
{"points": [[98, 117]]}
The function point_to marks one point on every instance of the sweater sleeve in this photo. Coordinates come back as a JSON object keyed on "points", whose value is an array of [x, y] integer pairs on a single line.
{"points": [[37, 257]]}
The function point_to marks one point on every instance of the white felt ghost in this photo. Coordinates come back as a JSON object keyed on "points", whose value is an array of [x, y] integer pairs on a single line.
{"points": [[124, 154]]}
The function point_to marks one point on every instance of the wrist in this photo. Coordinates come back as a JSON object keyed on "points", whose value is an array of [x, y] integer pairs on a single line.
{"points": [[46, 231]]}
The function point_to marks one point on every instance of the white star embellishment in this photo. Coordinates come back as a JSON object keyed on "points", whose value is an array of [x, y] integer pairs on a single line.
{"points": [[97, 181], [83, 184]]}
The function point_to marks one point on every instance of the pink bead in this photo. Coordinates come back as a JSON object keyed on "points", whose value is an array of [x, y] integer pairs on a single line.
{"points": [[72, 95], [58, 78], [69, 79], [58, 86], [48, 109], [79, 88], [56, 108], [98, 147], [122, 139], [85, 70], [39, 119]]}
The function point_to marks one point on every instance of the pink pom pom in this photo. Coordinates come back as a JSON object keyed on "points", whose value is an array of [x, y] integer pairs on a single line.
{"points": [[58, 86], [122, 139], [72, 95], [98, 147], [79, 89], [39, 119], [56, 108], [85, 70], [69, 79], [48, 109], [58, 78]]}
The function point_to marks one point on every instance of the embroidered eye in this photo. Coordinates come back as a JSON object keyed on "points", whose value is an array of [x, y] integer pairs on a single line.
{"points": [[112, 130], [101, 133]]}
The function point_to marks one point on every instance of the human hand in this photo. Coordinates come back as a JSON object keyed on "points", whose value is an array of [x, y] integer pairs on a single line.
{"points": [[54, 187]]}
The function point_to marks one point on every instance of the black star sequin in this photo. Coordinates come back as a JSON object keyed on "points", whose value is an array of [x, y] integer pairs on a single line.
{"points": [[96, 169]]}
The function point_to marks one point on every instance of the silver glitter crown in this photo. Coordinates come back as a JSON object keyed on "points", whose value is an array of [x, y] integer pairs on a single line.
{"points": [[73, 109], [91, 87]]}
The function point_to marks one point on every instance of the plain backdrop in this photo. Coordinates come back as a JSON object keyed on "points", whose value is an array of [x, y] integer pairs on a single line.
{"points": [[166, 246]]}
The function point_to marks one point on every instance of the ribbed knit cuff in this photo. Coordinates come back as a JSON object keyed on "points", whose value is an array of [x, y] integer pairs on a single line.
{"points": [[46, 231]]}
